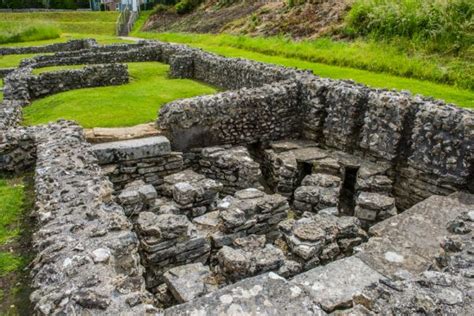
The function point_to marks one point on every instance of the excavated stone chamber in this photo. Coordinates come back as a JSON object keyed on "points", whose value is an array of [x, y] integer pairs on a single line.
{"points": [[286, 194]]}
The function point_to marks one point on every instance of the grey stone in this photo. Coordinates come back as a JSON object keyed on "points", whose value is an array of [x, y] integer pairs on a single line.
{"points": [[269, 294], [332, 286]]}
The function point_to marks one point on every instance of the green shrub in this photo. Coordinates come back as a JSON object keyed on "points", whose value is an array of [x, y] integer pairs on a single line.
{"points": [[186, 6], [159, 8], [442, 25], [25, 32]]}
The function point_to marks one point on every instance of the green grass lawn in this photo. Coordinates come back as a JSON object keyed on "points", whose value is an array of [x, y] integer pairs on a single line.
{"points": [[127, 105], [449, 93]]}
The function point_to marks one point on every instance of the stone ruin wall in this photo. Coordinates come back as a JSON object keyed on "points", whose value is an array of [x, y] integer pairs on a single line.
{"points": [[420, 147], [428, 144], [72, 45]]}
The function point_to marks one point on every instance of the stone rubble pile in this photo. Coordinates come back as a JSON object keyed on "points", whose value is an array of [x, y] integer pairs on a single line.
{"points": [[248, 212], [192, 194], [252, 255], [374, 207], [137, 197], [231, 166], [167, 241], [319, 238], [189, 281], [317, 192]]}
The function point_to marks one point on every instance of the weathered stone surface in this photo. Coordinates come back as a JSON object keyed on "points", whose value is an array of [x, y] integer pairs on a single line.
{"points": [[193, 194], [249, 256], [252, 211], [87, 256], [132, 149], [410, 241], [267, 294], [189, 281], [332, 286], [313, 239], [231, 166]]}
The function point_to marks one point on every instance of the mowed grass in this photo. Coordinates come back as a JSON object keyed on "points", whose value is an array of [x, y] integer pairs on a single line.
{"points": [[116, 106], [94, 22], [449, 93]]}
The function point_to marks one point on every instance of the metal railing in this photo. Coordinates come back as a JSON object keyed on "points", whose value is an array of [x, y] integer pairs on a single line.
{"points": [[125, 21]]}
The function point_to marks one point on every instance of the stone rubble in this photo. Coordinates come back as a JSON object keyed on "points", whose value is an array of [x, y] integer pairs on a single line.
{"points": [[192, 193], [315, 239], [167, 241], [231, 166]]}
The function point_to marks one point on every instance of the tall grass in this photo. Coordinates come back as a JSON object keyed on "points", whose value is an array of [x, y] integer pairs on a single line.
{"points": [[438, 25], [25, 32], [102, 23]]}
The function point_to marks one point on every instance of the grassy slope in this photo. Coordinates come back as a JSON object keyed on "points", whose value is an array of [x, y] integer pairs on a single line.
{"points": [[69, 22], [225, 46], [127, 105]]}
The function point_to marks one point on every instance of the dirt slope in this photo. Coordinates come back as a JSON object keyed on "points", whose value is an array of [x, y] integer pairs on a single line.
{"points": [[307, 20]]}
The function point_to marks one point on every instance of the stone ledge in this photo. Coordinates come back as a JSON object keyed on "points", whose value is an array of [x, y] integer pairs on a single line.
{"points": [[132, 149]]}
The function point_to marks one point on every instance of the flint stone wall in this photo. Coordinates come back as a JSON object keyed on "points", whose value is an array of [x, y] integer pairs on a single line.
{"points": [[87, 258], [148, 159], [98, 55], [17, 149], [5, 71], [428, 144], [265, 113], [23, 85], [90, 76], [71, 45]]}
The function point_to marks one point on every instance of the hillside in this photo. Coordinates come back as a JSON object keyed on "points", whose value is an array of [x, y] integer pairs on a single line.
{"points": [[258, 18]]}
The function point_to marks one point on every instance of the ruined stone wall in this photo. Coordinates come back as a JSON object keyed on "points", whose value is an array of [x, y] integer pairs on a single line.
{"points": [[99, 55], [90, 76], [87, 258], [428, 144], [23, 85], [5, 71], [17, 149], [57, 47], [148, 159], [245, 116]]}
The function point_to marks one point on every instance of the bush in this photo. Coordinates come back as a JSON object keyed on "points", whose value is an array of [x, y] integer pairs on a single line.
{"points": [[186, 6], [25, 32], [443, 25]]}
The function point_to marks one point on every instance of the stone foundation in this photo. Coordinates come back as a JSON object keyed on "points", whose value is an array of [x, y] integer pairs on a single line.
{"points": [[290, 176]]}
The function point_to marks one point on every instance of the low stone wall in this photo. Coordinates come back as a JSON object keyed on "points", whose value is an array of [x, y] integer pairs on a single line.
{"points": [[23, 85], [238, 117], [87, 258], [52, 48], [5, 71], [17, 149], [99, 55], [90, 76], [149, 159]]}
